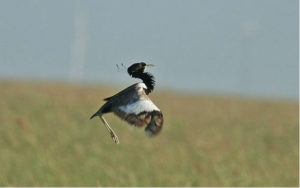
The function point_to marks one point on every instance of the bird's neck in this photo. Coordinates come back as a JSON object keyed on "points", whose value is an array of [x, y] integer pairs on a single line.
{"points": [[148, 80]]}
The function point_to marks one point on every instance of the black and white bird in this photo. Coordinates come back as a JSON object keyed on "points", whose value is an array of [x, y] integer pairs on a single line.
{"points": [[133, 104]]}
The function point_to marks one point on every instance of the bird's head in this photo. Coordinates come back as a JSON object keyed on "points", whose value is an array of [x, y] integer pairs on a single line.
{"points": [[138, 68]]}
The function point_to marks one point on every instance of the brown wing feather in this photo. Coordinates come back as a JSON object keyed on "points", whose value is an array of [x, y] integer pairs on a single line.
{"points": [[154, 120], [154, 127], [137, 120]]}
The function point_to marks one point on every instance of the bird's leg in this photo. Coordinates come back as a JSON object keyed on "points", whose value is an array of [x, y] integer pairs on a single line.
{"points": [[112, 133]]}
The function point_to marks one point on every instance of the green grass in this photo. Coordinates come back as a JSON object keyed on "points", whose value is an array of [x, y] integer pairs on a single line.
{"points": [[47, 139]]}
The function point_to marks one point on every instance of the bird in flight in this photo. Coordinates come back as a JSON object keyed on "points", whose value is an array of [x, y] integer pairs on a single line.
{"points": [[133, 104]]}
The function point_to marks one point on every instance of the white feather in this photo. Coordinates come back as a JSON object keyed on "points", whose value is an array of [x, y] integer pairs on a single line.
{"points": [[141, 87], [139, 106]]}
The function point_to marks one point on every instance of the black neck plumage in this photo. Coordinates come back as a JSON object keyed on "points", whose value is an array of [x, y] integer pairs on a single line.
{"points": [[147, 78]]}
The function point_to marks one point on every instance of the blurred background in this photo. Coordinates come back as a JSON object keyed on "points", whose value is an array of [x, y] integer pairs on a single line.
{"points": [[223, 47], [227, 83]]}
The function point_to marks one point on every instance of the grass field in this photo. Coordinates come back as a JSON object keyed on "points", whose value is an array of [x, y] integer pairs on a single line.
{"points": [[47, 139]]}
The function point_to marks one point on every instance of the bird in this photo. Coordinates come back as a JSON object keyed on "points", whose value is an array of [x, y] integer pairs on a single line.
{"points": [[133, 104]]}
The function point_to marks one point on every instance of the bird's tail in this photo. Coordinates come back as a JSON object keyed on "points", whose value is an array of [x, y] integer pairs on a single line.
{"points": [[95, 114], [104, 109]]}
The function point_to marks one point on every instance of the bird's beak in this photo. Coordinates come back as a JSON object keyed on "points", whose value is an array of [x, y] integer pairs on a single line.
{"points": [[149, 65]]}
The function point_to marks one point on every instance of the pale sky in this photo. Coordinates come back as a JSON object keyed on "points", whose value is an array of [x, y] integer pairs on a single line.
{"points": [[241, 47]]}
